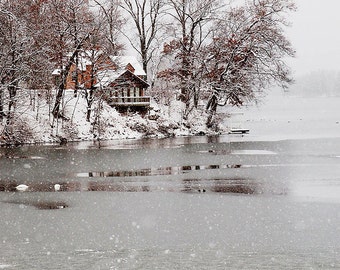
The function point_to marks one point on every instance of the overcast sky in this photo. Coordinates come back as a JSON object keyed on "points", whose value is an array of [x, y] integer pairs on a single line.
{"points": [[315, 35]]}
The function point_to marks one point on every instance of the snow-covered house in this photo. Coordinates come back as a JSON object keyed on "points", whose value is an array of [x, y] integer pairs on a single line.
{"points": [[121, 79], [124, 86]]}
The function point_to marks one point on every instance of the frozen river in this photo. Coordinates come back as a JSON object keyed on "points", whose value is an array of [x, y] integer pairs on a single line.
{"points": [[268, 200], [185, 203]]}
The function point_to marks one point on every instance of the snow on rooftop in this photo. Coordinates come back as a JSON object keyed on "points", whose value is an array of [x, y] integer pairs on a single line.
{"points": [[107, 76], [87, 58]]}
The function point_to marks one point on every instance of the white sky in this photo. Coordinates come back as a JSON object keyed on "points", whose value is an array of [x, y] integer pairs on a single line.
{"points": [[315, 34]]}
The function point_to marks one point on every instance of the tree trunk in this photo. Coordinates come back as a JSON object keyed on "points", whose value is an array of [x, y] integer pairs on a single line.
{"points": [[89, 105], [211, 109], [64, 74], [76, 85], [61, 89], [144, 58], [2, 113], [12, 90], [89, 97], [196, 97]]}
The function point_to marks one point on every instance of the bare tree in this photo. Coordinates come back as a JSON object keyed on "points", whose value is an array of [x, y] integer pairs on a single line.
{"points": [[80, 18], [39, 62], [110, 22], [145, 15], [247, 53], [93, 58], [15, 44], [70, 30], [103, 42], [190, 32], [22, 63]]}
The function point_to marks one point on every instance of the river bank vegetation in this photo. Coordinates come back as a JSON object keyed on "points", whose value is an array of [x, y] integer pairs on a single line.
{"points": [[197, 54]]}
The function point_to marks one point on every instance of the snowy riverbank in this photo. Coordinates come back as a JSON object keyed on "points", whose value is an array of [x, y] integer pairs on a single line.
{"points": [[34, 124], [279, 116]]}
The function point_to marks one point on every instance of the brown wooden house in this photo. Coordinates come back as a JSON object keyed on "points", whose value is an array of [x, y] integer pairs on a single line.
{"points": [[121, 78]]}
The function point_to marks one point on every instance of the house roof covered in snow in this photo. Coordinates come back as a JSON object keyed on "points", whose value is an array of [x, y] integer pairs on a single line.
{"points": [[106, 77]]}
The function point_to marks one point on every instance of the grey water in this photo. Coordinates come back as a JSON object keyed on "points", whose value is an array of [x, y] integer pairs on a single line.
{"points": [[176, 203]]}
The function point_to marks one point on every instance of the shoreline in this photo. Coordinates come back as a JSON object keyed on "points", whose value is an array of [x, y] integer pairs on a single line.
{"points": [[126, 139], [222, 138], [280, 117]]}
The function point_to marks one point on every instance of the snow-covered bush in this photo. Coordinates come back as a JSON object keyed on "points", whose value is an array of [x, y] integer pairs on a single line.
{"points": [[17, 132]]}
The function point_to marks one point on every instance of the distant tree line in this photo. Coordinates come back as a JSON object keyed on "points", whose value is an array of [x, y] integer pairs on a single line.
{"points": [[198, 51], [317, 83]]}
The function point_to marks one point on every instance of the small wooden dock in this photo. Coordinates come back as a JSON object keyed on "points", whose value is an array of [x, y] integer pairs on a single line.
{"points": [[236, 122], [239, 131]]}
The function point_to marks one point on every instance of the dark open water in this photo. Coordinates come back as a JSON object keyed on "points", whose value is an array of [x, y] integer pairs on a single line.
{"points": [[185, 203]]}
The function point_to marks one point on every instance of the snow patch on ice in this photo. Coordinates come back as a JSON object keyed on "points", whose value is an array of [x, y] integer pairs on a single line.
{"points": [[253, 152], [5, 266]]}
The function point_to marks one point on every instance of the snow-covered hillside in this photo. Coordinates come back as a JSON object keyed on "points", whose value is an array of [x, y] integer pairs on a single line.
{"points": [[34, 123]]}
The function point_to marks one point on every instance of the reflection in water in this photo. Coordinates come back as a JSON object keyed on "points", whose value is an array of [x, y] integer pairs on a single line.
{"points": [[236, 186], [116, 187], [41, 205], [224, 185], [187, 186], [240, 188], [174, 170], [11, 156], [8, 185]]}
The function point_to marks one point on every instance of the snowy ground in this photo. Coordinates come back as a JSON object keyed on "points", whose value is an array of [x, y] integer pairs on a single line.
{"points": [[285, 116], [159, 122]]}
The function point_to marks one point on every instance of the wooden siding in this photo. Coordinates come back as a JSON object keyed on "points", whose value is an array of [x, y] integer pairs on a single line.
{"points": [[128, 101]]}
